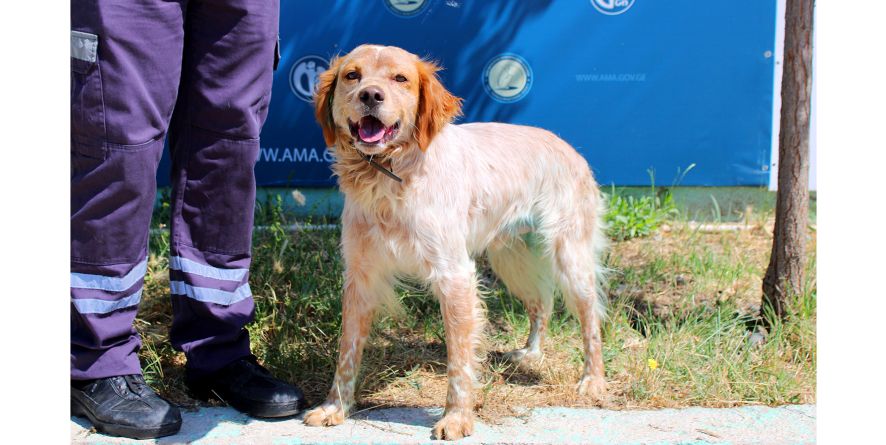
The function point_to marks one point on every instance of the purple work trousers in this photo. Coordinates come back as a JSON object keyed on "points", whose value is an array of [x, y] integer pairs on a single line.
{"points": [[201, 69]]}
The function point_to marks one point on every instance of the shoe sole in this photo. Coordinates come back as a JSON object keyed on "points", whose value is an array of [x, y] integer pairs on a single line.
{"points": [[111, 429], [273, 411], [265, 411]]}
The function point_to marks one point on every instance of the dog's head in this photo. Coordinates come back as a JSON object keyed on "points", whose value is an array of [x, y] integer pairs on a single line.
{"points": [[380, 97]]}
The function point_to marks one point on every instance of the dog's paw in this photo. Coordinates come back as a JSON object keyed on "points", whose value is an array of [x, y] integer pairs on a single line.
{"points": [[454, 426], [327, 414], [524, 356], [592, 386]]}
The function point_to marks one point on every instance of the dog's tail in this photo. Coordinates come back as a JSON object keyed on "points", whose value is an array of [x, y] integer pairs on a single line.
{"points": [[600, 246]]}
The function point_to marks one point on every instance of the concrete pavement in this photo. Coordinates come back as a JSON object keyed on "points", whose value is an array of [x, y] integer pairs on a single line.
{"points": [[786, 425]]}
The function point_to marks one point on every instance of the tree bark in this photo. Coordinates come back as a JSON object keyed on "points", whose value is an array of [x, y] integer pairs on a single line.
{"points": [[784, 276]]}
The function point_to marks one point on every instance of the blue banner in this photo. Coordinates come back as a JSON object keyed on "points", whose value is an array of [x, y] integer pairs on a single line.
{"points": [[633, 85]]}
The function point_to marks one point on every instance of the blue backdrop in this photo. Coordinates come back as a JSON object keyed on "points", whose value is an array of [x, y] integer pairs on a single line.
{"points": [[632, 84]]}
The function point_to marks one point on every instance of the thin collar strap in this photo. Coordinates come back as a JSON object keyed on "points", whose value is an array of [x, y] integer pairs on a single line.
{"points": [[379, 167]]}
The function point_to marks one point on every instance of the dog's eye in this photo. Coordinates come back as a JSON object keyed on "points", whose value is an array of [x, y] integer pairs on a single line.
{"points": [[400, 78], [352, 75]]}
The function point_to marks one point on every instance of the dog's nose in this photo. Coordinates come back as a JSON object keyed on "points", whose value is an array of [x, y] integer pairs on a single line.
{"points": [[372, 96]]}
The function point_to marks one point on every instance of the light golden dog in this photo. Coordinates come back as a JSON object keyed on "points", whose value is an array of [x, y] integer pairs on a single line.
{"points": [[423, 197]]}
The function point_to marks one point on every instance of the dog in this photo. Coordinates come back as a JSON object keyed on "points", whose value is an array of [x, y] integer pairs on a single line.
{"points": [[424, 197]]}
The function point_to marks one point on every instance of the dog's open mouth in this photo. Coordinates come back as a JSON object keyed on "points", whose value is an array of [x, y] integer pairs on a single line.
{"points": [[371, 131]]}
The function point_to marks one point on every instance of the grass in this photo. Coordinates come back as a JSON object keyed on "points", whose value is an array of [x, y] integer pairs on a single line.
{"points": [[681, 297], [632, 217]]}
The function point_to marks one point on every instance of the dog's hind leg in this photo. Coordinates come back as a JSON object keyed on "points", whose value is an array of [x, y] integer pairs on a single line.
{"points": [[577, 268], [528, 275]]}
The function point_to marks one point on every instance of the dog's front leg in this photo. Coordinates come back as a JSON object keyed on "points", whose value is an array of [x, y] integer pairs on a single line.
{"points": [[463, 321], [359, 301]]}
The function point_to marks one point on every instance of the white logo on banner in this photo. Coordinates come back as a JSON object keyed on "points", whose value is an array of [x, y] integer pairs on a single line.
{"points": [[507, 78], [303, 76], [612, 7], [405, 8]]}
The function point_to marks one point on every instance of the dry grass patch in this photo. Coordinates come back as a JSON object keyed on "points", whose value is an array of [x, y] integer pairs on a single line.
{"points": [[677, 333]]}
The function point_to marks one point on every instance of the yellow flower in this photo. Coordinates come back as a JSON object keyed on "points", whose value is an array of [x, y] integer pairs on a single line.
{"points": [[653, 364]]}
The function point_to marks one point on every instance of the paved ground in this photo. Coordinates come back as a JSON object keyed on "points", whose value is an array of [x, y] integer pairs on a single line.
{"points": [[692, 426]]}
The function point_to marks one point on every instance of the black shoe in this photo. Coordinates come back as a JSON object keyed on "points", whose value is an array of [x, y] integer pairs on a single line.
{"points": [[249, 388], [124, 406]]}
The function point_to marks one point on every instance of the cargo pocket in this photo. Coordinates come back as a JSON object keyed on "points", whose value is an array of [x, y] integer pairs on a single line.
{"points": [[87, 100]]}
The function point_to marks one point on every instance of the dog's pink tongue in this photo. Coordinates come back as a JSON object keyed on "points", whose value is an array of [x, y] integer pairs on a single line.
{"points": [[371, 129]]}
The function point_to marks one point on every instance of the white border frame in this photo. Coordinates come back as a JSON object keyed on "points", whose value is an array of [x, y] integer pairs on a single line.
{"points": [[776, 100]]}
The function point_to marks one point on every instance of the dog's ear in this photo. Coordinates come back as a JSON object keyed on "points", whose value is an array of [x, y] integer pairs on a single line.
{"points": [[436, 106], [323, 98]]}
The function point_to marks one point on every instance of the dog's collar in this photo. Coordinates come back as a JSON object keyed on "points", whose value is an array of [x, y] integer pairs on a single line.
{"points": [[377, 166]]}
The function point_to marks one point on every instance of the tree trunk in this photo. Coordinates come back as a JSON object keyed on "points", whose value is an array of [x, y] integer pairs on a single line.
{"points": [[784, 277]]}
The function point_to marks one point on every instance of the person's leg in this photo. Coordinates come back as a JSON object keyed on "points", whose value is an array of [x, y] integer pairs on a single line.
{"points": [[122, 95], [223, 102], [125, 59]]}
